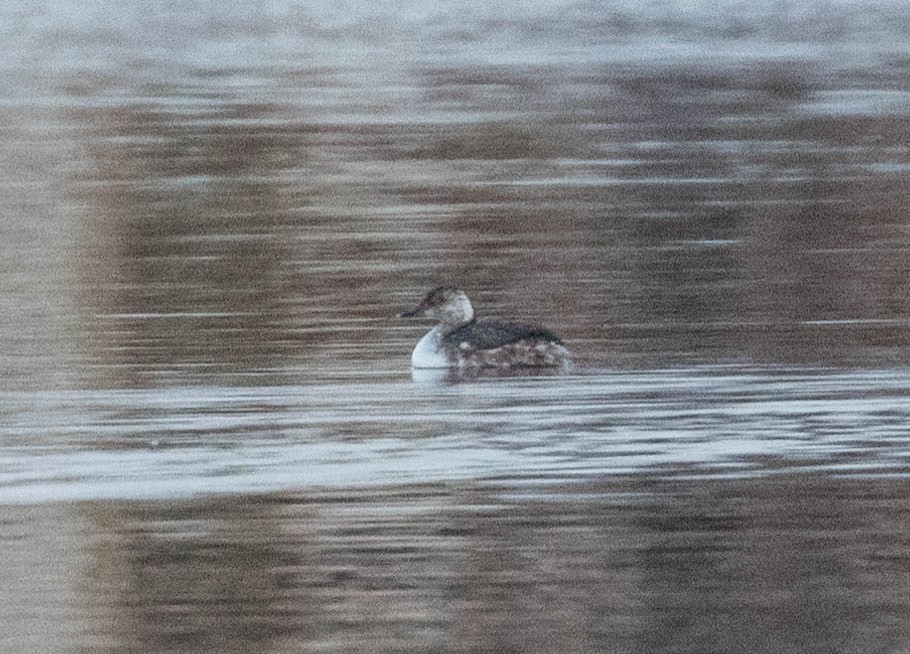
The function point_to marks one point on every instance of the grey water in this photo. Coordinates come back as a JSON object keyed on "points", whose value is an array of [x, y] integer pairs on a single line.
{"points": [[210, 436]]}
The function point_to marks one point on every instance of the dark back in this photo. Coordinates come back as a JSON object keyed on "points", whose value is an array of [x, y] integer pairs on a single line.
{"points": [[489, 334]]}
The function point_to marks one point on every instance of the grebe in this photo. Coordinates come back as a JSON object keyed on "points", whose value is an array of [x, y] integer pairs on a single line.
{"points": [[462, 341]]}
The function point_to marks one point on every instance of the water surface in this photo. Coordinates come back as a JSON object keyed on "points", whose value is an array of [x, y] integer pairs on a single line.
{"points": [[210, 440]]}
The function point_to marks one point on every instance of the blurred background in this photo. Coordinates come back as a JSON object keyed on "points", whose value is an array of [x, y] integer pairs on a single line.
{"points": [[204, 187], [210, 213]]}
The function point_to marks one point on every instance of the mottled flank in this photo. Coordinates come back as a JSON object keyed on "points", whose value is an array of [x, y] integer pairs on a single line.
{"points": [[526, 353]]}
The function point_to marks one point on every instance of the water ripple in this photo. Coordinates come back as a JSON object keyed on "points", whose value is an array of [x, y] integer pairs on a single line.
{"points": [[191, 440]]}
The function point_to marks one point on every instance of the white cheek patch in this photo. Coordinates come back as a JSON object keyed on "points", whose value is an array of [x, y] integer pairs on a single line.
{"points": [[459, 310]]}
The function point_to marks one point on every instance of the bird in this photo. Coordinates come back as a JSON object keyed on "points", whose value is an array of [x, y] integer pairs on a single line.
{"points": [[460, 340]]}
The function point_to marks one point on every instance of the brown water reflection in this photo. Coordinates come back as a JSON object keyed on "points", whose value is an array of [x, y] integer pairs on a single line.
{"points": [[805, 564], [211, 212], [175, 216]]}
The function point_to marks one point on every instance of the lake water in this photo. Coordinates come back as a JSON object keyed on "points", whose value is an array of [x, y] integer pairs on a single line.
{"points": [[210, 437]]}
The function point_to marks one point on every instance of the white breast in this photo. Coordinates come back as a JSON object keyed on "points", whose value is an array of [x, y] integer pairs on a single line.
{"points": [[429, 352]]}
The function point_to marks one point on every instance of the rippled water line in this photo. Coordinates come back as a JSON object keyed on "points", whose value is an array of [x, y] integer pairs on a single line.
{"points": [[252, 468], [188, 441]]}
